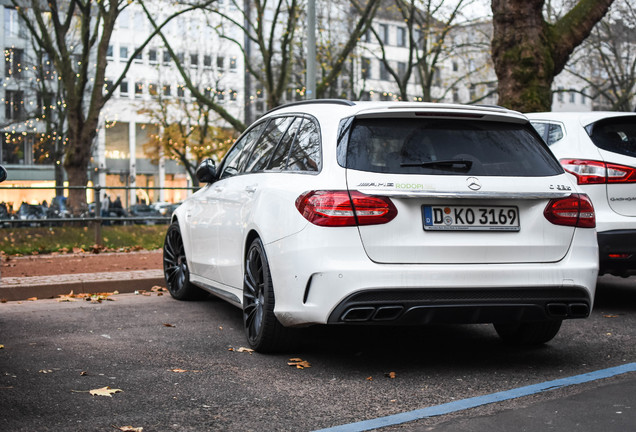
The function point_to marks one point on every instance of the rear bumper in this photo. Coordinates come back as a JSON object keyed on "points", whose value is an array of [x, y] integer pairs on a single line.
{"points": [[617, 252], [329, 279]]}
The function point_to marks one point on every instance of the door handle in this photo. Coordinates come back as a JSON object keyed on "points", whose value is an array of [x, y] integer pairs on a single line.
{"points": [[251, 188]]}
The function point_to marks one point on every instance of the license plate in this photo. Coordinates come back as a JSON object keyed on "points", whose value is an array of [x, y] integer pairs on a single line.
{"points": [[470, 218]]}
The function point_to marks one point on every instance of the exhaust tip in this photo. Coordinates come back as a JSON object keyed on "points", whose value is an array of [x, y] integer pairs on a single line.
{"points": [[559, 310], [358, 314]]}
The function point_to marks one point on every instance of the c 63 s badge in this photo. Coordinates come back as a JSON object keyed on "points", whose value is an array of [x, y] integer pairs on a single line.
{"points": [[560, 187]]}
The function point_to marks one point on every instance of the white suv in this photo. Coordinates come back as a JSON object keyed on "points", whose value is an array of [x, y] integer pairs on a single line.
{"points": [[339, 212], [599, 149]]}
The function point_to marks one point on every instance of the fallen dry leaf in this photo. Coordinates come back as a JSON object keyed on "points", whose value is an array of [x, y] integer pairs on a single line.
{"points": [[130, 429], [105, 391], [168, 325], [177, 370], [299, 363], [611, 316], [32, 299], [45, 371], [369, 378], [390, 375], [83, 373], [243, 349]]}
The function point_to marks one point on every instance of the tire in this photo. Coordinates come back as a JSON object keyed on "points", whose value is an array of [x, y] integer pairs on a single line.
{"points": [[528, 333], [175, 267], [263, 330]]}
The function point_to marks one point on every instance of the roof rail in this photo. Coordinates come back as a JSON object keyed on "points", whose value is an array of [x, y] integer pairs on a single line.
{"points": [[314, 101]]}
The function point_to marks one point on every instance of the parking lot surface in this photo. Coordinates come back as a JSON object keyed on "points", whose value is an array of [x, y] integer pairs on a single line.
{"points": [[181, 366]]}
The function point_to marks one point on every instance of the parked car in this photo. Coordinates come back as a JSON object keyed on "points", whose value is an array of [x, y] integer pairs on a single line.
{"points": [[144, 211], [34, 213], [338, 212], [599, 150]]}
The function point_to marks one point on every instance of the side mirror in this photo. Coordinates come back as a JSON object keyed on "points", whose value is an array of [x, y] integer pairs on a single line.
{"points": [[3, 174], [206, 171]]}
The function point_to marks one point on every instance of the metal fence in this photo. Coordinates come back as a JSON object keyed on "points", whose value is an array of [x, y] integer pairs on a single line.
{"points": [[94, 215]]}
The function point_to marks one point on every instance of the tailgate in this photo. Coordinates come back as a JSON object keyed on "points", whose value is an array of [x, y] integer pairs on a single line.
{"points": [[502, 222]]}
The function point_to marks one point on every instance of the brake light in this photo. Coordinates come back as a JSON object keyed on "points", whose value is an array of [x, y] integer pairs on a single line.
{"points": [[575, 210], [597, 172], [342, 208]]}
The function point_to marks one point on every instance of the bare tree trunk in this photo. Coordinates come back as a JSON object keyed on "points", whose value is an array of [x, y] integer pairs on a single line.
{"points": [[529, 52]]}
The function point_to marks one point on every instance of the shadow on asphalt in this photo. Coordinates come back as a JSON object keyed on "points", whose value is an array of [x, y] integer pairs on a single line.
{"points": [[463, 346], [616, 293]]}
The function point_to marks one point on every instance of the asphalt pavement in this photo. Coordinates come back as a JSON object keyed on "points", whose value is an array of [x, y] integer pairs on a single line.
{"points": [[54, 352]]}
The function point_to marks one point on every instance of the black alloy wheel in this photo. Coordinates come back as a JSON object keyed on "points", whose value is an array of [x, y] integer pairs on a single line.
{"points": [[175, 267], [264, 332]]}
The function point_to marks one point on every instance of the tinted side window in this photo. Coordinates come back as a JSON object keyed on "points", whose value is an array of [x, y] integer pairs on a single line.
{"points": [[550, 132], [305, 153], [266, 145], [235, 159], [279, 159], [617, 135], [448, 147]]}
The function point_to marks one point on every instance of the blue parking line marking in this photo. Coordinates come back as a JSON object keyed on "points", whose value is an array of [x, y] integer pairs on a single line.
{"points": [[476, 401]]}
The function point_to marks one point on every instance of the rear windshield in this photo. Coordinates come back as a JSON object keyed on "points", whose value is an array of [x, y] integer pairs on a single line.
{"points": [[448, 147], [617, 135]]}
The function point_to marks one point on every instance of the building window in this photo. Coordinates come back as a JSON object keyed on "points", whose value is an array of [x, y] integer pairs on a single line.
{"points": [[401, 70], [437, 76], [384, 34], [108, 86], [455, 66], [233, 95], [166, 90], [472, 91], [384, 72], [180, 91], [194, 60], [138, 56], [560, 94], [109, 52], [152, 56], [220, 95], [572, 97], [166, 57], [152, 90], [123, 53], [401, 37], [12, 24], [455, 95], [181, 57], [14, 105], [123, 88], [207, 61], [233, 64], [13, 62], [139, 89], [220, 63], [366, 68]]}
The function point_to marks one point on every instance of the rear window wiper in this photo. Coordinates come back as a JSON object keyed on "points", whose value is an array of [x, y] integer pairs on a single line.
{"points": [[451, 164]]}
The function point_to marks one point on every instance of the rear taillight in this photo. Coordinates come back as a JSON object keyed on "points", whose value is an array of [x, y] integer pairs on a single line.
{"points": [[575, 210], [343, 208], [596, 172]]}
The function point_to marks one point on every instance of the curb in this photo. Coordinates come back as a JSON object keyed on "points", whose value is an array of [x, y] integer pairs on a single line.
{"points": [[41, 287]]}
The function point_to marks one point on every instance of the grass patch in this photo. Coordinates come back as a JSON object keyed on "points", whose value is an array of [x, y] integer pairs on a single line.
{"points": [[39, 240]]}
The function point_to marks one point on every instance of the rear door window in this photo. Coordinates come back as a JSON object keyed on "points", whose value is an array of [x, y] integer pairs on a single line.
{"points": [[305, 153], [550, 132], [448, 147], [617, 135]]}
